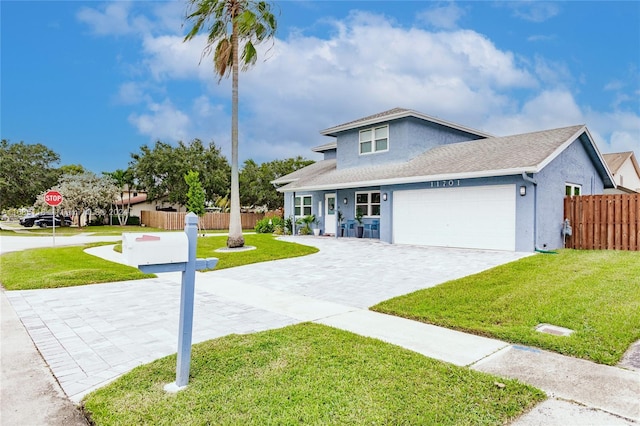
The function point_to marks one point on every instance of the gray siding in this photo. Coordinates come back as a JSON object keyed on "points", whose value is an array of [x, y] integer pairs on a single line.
{"points": [[574, 166], [315, 198], [408, 137], [329, 154]]}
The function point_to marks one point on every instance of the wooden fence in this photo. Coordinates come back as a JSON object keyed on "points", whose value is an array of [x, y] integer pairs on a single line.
{"points": [[175, 220], [604, 222]]}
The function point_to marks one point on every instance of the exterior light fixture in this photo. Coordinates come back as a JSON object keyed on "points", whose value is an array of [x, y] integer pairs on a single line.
{"points": [[523, 190], [384, 196], [345, 201]]}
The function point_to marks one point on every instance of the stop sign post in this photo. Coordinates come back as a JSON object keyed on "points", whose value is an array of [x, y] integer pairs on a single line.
{"points": [[53, 198]]}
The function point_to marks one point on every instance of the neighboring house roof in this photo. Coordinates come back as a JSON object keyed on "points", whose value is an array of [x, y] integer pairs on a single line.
{"points": [[616, 160], [497, 156], [394, 114], [140, 198]]}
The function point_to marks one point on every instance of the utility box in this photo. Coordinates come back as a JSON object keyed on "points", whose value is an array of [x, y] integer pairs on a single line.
{"points": [[154, 248]]}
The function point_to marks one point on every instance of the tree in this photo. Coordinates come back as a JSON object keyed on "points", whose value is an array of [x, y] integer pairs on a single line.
{"points": [[160, 170], [251, 22], [195, 194], [255, 181], [26, 170], [84, 193], [123, 179], [72, 169]]}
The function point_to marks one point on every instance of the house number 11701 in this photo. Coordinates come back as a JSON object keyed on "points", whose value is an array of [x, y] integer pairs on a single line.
{"points": [[445, 183]]}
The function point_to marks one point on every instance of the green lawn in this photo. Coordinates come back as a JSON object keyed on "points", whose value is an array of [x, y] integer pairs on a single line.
{"points": [[267, 248], [308, 374], [60, 267], [19, 231], [70, 266], [595, 293]]}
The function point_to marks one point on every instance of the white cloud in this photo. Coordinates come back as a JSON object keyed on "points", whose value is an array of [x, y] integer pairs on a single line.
{"points": [[445, 17], [110, 19], [130, 17], [547, 110], [615, 131], [310, 83], [533, 10], [131, 93], [541, 37], [163, 121]]}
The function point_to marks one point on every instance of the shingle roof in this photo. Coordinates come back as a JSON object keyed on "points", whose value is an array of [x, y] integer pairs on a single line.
{"points": [[311, 170], [497, 156], [140, 198], [393, 114], [616, 160], [325, 147]]}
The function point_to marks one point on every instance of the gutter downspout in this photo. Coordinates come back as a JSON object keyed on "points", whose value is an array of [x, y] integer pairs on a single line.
{"points": [[526, 178], [335, 212], [293, 222]]}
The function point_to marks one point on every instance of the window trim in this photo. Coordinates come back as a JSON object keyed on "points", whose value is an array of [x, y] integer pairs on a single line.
{"points": [[372, 141], [302, 205], [572, 187], [370, 203]]}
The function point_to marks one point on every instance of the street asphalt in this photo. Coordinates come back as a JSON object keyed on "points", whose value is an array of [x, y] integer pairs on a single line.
{"points": [[69, 341]]}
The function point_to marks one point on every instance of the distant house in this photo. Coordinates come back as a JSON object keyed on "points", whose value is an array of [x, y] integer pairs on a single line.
{"points": [[421, 180], [138, 201], [626, 172]]}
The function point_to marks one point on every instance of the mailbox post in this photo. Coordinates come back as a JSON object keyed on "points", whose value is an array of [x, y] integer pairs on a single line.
{"points": [[185, 328], [171, 252]]}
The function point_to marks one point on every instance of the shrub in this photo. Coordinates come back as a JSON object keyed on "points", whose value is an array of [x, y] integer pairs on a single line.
{"points": [[131, 220], [268, 225]]}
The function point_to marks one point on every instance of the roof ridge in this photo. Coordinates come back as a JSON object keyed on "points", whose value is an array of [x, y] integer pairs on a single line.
{"points": [[391, 111]]}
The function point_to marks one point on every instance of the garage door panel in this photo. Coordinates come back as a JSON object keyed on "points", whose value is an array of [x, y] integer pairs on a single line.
{"points": [[470, 217]]}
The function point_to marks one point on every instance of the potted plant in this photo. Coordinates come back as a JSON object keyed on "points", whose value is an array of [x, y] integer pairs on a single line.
{"points": [[307, 221], [316, 229], [360, 227]]}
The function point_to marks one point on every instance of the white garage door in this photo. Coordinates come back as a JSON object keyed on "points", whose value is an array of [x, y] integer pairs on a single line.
{"points": [[470, 217]]}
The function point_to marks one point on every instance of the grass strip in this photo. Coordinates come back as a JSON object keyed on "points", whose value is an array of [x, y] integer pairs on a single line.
{"points": [[594, 293], [308, 374]]}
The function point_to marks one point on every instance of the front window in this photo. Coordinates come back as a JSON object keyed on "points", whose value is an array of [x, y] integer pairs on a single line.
{"points": [[368, 203], [374, 140], [302, 205], [571, 189]]}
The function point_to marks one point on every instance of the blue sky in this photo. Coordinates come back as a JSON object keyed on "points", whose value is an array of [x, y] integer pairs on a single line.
{"points": [[96, 80]]}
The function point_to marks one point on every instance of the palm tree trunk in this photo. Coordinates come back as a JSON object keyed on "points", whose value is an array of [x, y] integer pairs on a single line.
{"points": [[235, 238]]}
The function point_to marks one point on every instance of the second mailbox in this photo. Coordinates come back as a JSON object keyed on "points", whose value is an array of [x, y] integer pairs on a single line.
{"points": [[155, 248]]}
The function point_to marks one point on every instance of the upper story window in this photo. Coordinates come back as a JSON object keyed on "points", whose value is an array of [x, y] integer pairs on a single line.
{"points": [[368, 203], [571, 189], [375, 139]]}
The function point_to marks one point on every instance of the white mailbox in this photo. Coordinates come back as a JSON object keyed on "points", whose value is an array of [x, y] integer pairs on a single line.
{"points": [[154, 248]]}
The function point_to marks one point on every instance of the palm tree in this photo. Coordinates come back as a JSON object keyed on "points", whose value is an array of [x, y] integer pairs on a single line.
{"points": [[250, 22]]}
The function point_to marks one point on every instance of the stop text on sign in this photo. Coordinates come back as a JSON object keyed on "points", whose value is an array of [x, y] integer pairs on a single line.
{"points": [[53, 198]]}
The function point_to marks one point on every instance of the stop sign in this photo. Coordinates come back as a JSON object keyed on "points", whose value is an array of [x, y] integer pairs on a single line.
{"points": [[53, 198]]}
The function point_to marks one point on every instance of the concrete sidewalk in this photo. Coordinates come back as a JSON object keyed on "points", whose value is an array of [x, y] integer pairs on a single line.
{"points": [[30, 394], [89, 335]]}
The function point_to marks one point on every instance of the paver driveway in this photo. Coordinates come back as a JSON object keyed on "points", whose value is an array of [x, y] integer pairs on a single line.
{"points": [[91, 334]]}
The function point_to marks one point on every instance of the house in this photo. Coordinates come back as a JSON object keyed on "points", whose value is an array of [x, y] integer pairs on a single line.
{"points": [[137, 201], [427, 181], [626, 172]]}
